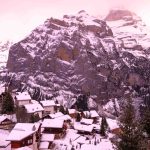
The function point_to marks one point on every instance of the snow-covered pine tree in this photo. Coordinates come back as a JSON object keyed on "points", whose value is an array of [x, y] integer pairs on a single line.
{"points": [[131, 135]]}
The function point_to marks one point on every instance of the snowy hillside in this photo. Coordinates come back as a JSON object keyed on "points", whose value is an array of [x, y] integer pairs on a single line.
{"points": [[4, 50]]}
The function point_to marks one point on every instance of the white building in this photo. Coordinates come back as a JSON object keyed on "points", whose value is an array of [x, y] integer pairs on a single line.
{"points": [[22, 98], [49, 106], [34, 109]]}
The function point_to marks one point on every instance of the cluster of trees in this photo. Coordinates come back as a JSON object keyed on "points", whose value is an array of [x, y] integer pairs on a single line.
{"points": [[81, 103], [134, 130], [7, 103]]}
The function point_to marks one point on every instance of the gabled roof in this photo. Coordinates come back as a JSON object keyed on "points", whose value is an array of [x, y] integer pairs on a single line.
{"points": [[71, 111], [91, 113], [52, 123], [22, 130], [47, 137], [23, 96], [48, 103], [3, 118], [56, 115], [113, 124], [81, 127], [64, 117], [86, 121], [31, 108]]}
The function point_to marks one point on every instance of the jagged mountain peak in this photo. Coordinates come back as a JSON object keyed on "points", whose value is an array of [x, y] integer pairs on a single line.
{"points": [[122, 14]]}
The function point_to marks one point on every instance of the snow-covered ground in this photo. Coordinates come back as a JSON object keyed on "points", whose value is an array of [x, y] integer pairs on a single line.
{"points": [[4, 50], [3, 142], [86, 142]]}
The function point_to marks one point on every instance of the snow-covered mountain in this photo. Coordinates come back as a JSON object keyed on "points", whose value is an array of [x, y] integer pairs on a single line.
{"points": [[82, 53], [4, 49]]}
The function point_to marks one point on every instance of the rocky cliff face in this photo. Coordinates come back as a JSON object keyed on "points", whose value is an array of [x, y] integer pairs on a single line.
{"points": [[83, 53]]}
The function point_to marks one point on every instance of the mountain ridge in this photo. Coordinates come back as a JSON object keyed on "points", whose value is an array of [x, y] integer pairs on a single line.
{"points": [[81, 53]]}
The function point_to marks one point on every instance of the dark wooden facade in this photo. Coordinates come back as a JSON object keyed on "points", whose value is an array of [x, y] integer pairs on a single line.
{"points": [[25, 142]]}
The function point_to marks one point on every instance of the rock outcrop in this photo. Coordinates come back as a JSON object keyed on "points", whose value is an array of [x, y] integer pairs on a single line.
{"points": [[82, 53]]}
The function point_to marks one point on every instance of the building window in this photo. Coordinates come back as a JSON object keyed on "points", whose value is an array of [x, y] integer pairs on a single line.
{"points": [[30, 141]]}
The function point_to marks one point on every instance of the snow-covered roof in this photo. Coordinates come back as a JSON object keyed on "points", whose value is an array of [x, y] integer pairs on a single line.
{"points": [[3, 136], [48, 103], [44, 145], [64, 117], [52, 123], [47, 137], [96, 126], [2, 89], [91, 113], [23, 96], [56, 115], [71, 111], [24, 148], [22, 130], [86, 121], [31, 108], [81, 127], [2, 118], [113, 124], [105, 144]]}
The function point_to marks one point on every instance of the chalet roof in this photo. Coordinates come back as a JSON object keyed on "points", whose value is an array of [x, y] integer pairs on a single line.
{"points": [[52, 123], [71, 111], [31, 108], [96, 126], [91, 113], [44, 145], [86, 121], [2, 118], [22, 130], [48, 103], [23, 96], [47, 137], [56, 115], [113, 124], [81, 127], [64, 117], [24, 148], [3, 136]]}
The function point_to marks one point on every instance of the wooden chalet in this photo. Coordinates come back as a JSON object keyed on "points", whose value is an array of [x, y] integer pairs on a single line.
{"points": [[54, 126], [5, 122], [92, 114], [72, 113], [25, 134], [34, 109], [49, 106], [46, 141], [84, 129]]}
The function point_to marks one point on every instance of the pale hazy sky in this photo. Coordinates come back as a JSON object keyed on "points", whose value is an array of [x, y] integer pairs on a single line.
{"points": [[19, 17]]}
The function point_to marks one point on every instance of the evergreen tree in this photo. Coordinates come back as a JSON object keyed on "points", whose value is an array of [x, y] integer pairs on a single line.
{"points": [[146, 120], [131, 134], [34, 118], [22, 115], [103, 126], [67, 112], [78, 117], [7, 103], [61, 109]]}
